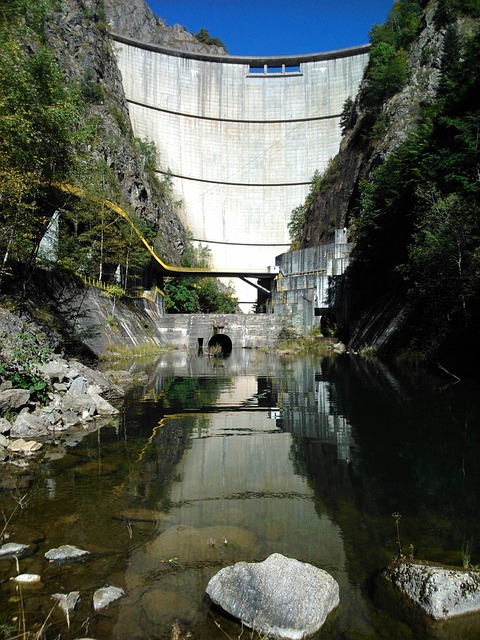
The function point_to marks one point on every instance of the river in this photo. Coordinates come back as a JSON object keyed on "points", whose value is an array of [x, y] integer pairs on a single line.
{"points": [[213, 461]]}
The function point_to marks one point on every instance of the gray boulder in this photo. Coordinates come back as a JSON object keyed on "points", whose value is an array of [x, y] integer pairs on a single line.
{"points": [[108, 390], [78, 384], [69, 419], [78, 402], [28, 425], [13, 399], [103, 407], [105, 596], [5, 425], [279, 596], [437, 592], [54, 370]]}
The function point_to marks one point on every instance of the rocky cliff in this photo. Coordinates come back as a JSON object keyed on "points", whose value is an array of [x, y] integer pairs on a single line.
{"points": [[405, 186], [83, 48], [65, 314], [361, 150], [134, 19]]}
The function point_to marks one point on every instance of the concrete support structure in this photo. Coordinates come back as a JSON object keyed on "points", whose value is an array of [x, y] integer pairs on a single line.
{"points": [[196, 331], [306, 287], [240, 137]]}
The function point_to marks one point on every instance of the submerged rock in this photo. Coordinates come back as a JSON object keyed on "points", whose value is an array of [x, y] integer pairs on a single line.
{"points": [[435, 591], [279, 596], [27, 578], [67, 601], [207, 544], [65, 552], [139, 515], [12, 549], [24, 446], [105, 596]]}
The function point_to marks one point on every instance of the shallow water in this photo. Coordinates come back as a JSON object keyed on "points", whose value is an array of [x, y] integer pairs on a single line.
{"points": [[215, 461]]}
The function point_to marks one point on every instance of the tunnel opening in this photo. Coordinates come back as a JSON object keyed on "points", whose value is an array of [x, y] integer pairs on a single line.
{"points": [[220, 344]]}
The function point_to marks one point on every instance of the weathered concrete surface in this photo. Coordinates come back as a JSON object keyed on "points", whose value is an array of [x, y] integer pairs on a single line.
{"points": [[132, 322], [303, 290], [241, 144], [244, 330]]}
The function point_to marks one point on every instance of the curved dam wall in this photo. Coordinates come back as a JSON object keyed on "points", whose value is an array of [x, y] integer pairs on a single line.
{"points": [[241, 137]]}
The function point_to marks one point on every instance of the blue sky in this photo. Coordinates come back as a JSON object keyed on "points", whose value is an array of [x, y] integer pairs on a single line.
{"points": [[280, 27]]}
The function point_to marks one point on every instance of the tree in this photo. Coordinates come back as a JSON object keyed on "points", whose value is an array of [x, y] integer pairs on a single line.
{"points": [[180, 295], [206, 38], [39, 117]]}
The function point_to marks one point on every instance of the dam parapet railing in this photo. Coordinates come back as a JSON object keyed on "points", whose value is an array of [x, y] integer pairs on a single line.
{"points": [[253, 61]]}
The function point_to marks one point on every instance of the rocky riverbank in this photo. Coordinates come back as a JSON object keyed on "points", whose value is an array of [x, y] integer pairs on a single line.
{"points": [[47, 402]]}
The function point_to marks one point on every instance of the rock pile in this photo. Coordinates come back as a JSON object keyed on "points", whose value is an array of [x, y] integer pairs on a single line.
{"points": [[78, 396]]}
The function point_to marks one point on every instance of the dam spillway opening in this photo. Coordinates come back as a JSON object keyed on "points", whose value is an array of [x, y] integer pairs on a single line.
{"points": [[220, 343]]}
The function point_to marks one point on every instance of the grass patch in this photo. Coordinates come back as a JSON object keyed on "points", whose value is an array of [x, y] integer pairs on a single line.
{"points": [[117, 351], [312, 342]]}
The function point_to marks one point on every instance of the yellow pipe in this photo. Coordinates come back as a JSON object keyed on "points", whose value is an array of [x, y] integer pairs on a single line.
{"points": [[77, 191], [167, 269]]}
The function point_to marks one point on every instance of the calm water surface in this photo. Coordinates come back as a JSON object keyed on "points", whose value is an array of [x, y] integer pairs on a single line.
{"points": [[216, 461]]}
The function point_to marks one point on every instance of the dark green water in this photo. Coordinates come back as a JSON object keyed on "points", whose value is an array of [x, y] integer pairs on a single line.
{"points": [[216, 461]]}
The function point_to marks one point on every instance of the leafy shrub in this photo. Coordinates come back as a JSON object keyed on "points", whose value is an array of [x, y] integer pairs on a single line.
{"points": [[18, 364], [348, 115], [204, 37], [91, 90]]}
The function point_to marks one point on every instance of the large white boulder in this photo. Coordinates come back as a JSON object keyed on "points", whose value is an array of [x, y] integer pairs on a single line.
{"points": [[280, 596]]}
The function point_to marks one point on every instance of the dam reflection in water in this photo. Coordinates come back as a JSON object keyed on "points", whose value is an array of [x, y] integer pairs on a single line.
{"points": [[309, 459], [216, 461]]}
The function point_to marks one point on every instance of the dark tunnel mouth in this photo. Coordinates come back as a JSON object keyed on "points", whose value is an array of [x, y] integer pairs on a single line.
{"points": [[223, 341]]}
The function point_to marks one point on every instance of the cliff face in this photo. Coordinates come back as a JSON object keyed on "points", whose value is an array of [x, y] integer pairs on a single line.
{"points": [[405, 184], [83, 48], [360, 154], [134, 19]]}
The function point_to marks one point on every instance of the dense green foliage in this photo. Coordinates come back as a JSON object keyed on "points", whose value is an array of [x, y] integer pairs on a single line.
{"points": [[415, 219], [386, 74], [388, 63], [191, 294], [39, 121], [49, 133], [418, 224], [206, 38], [319, 183], [45, 137], [20, 356]]}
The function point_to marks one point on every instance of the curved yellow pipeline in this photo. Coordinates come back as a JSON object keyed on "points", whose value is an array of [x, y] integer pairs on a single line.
{"points": [[165, 268], [77, 191]]}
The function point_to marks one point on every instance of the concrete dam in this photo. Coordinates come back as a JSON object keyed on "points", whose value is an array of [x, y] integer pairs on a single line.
{"points": [[240, 137]]}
